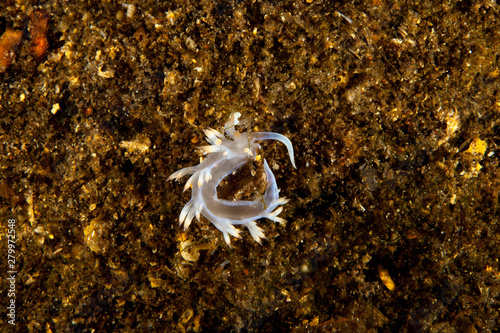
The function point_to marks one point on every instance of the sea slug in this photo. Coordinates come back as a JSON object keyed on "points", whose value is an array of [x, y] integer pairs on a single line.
{"points": [[225, 155]]}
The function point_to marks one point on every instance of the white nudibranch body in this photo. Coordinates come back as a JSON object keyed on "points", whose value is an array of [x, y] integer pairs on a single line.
{"points": [[223, 157]]}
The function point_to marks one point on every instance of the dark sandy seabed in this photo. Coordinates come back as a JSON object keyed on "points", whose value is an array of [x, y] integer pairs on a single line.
{"points": [[393, 109]]}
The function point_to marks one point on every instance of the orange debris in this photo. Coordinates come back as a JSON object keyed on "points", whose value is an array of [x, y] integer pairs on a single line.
{"points": [[8, 42], [39, 27]]}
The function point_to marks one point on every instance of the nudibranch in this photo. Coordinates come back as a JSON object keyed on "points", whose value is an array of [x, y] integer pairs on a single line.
{"points": [[224, 156]]}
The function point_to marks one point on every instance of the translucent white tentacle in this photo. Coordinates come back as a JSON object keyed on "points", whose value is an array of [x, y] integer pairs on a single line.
{"points": [[183, 172], [256, 232], [276, 136], [213, 137], [231, 123]]}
